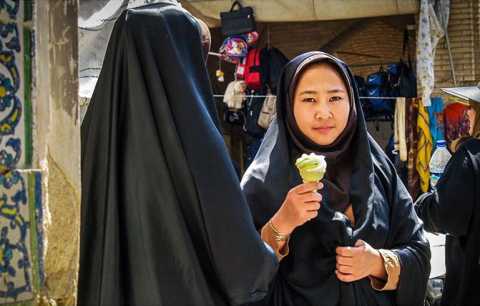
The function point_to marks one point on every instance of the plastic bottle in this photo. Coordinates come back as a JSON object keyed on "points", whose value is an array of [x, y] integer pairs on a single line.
{"points": [[439, 160]]}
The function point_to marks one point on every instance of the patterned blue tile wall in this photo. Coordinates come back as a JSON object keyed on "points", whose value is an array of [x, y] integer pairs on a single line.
{"points": [[21, 239]]}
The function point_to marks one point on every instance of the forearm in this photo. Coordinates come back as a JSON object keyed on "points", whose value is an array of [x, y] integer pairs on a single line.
{"points": [[378, 268], [428, 210], [270, 236]]}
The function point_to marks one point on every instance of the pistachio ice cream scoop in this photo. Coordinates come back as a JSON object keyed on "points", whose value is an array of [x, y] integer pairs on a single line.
{"points": [[312, 167]]}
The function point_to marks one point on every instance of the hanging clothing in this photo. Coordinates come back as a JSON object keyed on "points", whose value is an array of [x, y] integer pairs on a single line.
{"points": [[424, 149], [381, 207], [435, 114], [400, 130], [430, 33], [164, 221], [412, 144], [454, 209], [95, 25]]}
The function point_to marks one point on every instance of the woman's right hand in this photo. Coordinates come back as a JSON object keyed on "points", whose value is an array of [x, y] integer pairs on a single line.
{"points": [[301, 205]]}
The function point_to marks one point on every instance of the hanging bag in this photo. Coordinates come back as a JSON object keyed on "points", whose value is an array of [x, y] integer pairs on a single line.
{"points": [[268, 111], [253, 70], [237, 21]]}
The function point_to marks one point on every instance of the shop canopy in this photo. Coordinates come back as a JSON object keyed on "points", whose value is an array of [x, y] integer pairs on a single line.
{"points": [[303, 10]]}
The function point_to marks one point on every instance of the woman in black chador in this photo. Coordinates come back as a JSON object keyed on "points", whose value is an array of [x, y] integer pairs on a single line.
{"points": [[352, 239], [453, 208], [164, 221]]}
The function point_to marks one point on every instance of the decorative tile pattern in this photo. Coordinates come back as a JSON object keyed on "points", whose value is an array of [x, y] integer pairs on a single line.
{"points": [[21, 271], [15, 84], [21, 241]]}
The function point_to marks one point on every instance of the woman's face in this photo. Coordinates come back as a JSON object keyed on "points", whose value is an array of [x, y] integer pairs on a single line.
{"points": [[471, 118], [321, 104]]}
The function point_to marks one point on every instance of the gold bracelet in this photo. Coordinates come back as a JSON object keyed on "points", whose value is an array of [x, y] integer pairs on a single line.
{"points": [[277, 235]]}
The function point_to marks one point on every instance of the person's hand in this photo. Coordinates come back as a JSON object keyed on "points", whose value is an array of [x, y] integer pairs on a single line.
{"points": [[301, 205], [360, 261]]}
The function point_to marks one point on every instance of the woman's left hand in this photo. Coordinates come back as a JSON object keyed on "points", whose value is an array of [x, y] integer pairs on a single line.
{"points": [[360, 261]]}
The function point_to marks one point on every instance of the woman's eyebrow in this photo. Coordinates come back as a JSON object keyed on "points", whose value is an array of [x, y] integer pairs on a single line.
{"points": [[336, 90], [308, 92]]}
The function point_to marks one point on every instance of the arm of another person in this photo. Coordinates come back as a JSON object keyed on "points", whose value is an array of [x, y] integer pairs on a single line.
{"points": [[449, 207]]}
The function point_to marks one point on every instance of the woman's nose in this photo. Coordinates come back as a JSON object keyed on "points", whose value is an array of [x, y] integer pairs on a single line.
{"points": [[322, 111]]}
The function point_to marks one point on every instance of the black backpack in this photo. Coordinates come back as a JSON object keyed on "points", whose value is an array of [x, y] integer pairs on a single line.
{"points": [[272, 62]]}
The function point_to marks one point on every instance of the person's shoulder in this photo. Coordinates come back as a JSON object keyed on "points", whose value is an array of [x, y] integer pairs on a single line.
{"points": [[471, 145]]}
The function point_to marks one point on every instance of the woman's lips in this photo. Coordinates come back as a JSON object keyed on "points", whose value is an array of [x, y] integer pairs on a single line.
{"points": [[323, 129]]}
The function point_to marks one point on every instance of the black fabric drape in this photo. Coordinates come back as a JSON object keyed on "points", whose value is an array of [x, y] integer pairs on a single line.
{"points": [[384, 216], [453, 208], [164, 221]]}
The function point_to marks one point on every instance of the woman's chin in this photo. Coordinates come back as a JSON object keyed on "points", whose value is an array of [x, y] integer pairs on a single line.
{"points": [[323, 141]]}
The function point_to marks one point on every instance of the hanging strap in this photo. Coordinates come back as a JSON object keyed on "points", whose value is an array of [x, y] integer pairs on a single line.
{"points": [[236, 3]]}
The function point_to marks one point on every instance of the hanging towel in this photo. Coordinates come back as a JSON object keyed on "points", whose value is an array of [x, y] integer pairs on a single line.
{"points": [[424, 149], [399, 129], [437, 127]]}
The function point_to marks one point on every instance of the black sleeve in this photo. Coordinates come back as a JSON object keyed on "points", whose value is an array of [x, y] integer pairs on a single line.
{"points": [[448, 209]]}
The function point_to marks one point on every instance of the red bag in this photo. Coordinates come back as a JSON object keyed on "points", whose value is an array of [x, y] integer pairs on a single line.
{"points": [[253, 76]]}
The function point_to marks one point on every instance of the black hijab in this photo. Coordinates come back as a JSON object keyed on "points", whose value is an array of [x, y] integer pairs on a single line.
{"points": [[337, 180], [164, 221], [383, 210], [349, 171]]}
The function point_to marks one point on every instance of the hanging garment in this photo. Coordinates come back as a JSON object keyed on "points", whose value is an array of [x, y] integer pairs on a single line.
{"points": [[424, 149], [164, 221], [383, 210], [253, 109], [400, 129], [95, 25], [412, 144], [437, 127], [430, 32]]}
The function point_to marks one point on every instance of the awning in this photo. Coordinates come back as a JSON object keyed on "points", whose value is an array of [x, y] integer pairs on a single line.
{"points": [[303, 10]]}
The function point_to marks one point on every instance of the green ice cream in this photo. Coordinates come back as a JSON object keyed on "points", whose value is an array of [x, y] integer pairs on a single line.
{"points": [[312, 167]]}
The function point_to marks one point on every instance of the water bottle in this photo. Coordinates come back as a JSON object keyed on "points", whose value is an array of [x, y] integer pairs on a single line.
{"points": [[439, 160]]}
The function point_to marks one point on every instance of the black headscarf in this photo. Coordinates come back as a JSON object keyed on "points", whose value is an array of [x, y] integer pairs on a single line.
{"points": [[164, 221], [383, 210], [337, 180]]}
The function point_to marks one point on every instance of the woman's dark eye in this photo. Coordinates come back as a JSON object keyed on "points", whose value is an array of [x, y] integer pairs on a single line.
{"points": [[336, 99], [308, 100]]}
